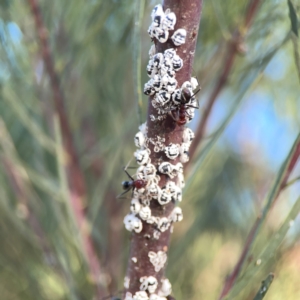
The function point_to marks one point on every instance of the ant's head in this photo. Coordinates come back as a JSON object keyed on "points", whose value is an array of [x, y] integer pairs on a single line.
{"points": [[126, 184]]}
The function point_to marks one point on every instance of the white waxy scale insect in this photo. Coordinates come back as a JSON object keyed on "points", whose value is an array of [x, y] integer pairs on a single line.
{"points": [[141, 295], [167, 69], [149, 90], [133, 223], [168, 64], [188, 135], [194, 82], [190, 113], [135, 206], [149, 171], [140, 173], [172, 151], [162, 98], [184, 152], [187, 85], [176, 97], [171, 85], [151, 71], [169, 21], [152, 51], [179, 167], [150, 31], [126, 282], [161, 35], [158, 60], [165, 197], [179, 37], [145, 213], [177, 63], [157, 83], [157, 10], [166, 288], [156, 297], [154, 191], [158, 259], [142, 156], [139, 194], [148, 283], [165, 79], [158, 19], [171, 186], [180, 180], [163, 224], [128, 296], [152, 220], [176, 215], [166, 168], [139, 140], [170, 53], [143, 128], [156, 234], [178, 195]]}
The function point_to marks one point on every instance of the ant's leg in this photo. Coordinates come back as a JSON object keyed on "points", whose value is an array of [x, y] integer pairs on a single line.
{"points": [[196, 92], [128, 175], [120, 196], [171, 113], [192, 106]]}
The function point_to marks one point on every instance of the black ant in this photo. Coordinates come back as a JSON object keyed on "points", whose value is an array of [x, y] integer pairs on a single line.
{"points": [[179, 114], [132, 184]]}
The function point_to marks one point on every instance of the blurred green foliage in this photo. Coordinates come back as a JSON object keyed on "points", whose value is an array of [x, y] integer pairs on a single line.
{"points": [[92, 44]]}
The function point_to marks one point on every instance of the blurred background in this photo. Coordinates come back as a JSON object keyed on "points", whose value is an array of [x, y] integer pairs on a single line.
{"points": [[98, 49]]}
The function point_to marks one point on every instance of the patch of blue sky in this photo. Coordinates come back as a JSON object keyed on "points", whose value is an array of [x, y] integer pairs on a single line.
{"points": [[258, 123], [277, 68], [14, 32]]}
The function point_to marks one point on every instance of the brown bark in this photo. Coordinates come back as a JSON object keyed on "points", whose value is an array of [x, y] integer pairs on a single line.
{"points": [[188, 17]]}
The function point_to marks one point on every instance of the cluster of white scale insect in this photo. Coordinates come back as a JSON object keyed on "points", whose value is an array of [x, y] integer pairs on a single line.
{"points": [[167, 97]]}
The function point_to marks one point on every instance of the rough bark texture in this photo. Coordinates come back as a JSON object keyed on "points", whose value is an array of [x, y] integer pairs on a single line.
{"points": [[188, 17]]}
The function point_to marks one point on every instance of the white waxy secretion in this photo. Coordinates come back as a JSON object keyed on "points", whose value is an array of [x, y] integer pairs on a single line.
{"points": [[142, 156], [139, 139], [148, 283], [145, 213], [172, 151], [126, 282], [133, 223], [135, 205], [179, 37], [166, 288], [158, 259], [141, 295]]}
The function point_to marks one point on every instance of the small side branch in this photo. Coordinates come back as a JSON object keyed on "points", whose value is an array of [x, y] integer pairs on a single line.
{"points": [[74, 173], [234, 47]]}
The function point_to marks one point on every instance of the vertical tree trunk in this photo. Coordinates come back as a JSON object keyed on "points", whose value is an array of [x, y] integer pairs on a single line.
{"points": [[188, 17]]}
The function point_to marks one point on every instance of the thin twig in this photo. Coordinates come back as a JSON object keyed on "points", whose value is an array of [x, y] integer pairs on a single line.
{"points": [[234, 47], [279, 185], [75, 176]]}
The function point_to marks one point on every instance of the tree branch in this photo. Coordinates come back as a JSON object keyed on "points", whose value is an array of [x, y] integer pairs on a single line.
{"points": [[279, 184], [234, 47], [74, 173], [188, 17]]}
